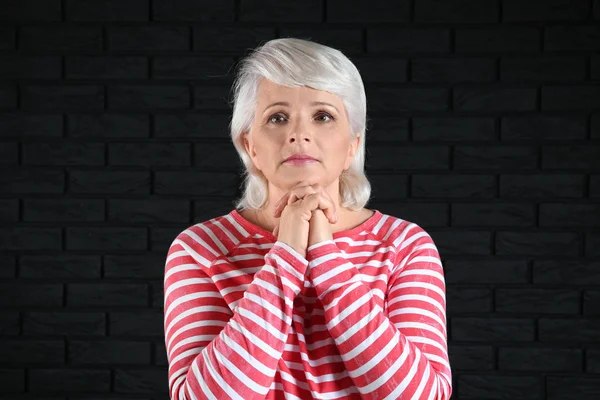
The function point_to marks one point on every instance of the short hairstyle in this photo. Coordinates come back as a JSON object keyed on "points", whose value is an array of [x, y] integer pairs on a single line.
{"points": [[296, 62]]}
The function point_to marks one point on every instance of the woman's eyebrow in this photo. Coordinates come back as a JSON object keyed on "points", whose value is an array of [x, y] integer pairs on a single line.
{"points": [[314, 103]]}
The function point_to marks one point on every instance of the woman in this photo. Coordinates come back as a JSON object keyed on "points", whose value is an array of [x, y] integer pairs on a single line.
{"points": [[301, 292]]}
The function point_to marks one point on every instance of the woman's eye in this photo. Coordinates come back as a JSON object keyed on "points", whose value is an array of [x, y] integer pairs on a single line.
{"points": [[325, 115], [274, 118]]}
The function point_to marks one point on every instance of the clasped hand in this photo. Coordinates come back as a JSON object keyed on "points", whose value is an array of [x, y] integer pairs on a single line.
{"points": [[322, 208]]}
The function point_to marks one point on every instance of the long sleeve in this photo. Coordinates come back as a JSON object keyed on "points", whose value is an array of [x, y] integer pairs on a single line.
{"points": [[400, 352], [212, 351]]}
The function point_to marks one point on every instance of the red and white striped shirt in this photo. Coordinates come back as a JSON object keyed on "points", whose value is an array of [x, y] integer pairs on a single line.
{"points": [[362, 316]]}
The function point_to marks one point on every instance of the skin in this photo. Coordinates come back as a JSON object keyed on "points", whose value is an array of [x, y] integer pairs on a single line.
{"points": [[319, 130]]}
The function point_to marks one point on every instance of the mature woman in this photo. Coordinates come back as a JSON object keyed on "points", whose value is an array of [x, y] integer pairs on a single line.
{"points": [[300, 291]]}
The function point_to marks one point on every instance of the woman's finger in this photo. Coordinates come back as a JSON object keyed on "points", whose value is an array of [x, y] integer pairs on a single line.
{"points": [[330, 208], [299, 193], [326, 204], [291, 197], [278, 205], [312, 202]]}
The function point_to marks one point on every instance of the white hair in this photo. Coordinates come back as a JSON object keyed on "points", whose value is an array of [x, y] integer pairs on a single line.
{"points": [[295, 62]]}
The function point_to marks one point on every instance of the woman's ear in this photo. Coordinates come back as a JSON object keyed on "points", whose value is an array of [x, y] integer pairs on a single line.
{"points": [[246, 142], [352, 149], [249, 146]]}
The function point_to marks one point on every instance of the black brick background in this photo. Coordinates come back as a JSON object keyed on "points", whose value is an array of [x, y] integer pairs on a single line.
{"points": [[484, 128]]}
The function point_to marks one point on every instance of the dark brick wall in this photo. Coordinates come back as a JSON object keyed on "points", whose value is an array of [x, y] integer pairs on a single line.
{"points": [[484, 128]]}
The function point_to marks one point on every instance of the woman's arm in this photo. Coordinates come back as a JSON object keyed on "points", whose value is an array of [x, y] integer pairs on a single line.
{"points": [[401, 353], [212, 351]]}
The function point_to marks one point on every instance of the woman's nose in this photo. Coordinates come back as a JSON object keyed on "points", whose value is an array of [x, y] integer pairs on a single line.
{"points": [[300, 137], [300, 131], [300, 134]]}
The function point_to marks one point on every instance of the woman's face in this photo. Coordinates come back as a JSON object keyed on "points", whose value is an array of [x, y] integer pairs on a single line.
{"points": [[312, 122]]}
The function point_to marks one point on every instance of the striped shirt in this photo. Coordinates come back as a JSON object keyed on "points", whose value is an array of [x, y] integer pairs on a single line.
{"points": [[361, 316]]}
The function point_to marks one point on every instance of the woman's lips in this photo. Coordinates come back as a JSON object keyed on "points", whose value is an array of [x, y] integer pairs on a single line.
{"points": [[301, 161]]}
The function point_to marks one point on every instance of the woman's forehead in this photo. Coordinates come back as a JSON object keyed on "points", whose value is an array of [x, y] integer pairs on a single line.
{"points": [[270, 94]]}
